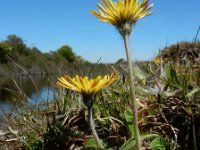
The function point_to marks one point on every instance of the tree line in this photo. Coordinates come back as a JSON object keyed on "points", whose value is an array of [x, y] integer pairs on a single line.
{"points": [[15, 55], [13, 50], [15, 46]]}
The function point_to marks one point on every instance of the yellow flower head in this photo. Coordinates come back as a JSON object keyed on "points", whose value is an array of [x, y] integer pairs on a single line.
{"points": [[85, 86], [123, 13], [157, 60]]}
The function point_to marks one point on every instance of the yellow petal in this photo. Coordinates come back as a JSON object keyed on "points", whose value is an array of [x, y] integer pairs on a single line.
{"points": [[122, 11]]}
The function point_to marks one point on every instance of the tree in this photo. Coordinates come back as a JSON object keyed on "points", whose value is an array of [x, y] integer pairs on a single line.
{"points": [[17, 44], [67, 53], [4, 50]]}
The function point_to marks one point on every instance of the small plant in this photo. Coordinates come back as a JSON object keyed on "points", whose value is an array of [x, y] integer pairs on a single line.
{"points": [[88, 88], [123, 15]]}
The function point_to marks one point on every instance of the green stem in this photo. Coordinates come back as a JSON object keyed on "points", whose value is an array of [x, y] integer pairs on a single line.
{"points": [[92, 126], [132, 82]]}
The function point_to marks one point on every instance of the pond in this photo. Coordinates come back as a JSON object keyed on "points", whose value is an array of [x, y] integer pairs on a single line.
{"points": [[21, 90]]}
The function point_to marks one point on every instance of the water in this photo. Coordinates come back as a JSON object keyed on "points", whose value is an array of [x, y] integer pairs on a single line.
{"points": [[19, 91]]}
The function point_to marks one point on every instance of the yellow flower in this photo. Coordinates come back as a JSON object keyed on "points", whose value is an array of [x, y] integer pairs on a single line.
{"points": [[85, 86], [123, 13], [157, 60]]}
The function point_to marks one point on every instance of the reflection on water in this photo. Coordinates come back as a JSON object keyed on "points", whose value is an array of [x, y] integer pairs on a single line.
{"points": [[17, 91], [6, 107], [45, 94]]}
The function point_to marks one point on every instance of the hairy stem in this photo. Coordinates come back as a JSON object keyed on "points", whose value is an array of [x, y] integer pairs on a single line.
{"points": [[132, 82], [92, 126]]}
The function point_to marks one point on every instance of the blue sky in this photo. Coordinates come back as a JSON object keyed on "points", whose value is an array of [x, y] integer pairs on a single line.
{"points": [[50, 24]]}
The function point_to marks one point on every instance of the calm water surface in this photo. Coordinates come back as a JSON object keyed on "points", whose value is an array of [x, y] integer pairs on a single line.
{"points": [[10, 88]]}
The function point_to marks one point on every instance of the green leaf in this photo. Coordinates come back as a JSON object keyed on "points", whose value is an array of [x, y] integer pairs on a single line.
{"points": [[129, 144], [158, 144], [192, 92], [128, 115], [172, 76], [129, 120], [148, 136], [139, 74], [91, 143]]}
